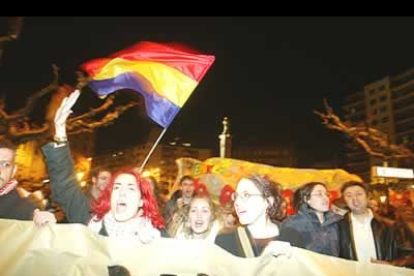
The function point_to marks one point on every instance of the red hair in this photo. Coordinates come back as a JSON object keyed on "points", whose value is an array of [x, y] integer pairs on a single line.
{"points": [[149, 208]]}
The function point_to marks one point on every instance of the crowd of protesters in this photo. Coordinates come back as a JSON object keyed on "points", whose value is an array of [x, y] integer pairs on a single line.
{"points": [[249, 220]]}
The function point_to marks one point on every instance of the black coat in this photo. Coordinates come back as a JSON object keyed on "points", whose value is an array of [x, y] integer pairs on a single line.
{"points": [[319, 237], [386, 240], [12, 206], [64, 186], [230, 240]]}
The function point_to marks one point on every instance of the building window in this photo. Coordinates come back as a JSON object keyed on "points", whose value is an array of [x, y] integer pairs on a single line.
{"points": [[371, 92], [383, 98], [384, 119], [403, 92], [373, 101], [374, 112], [383, 109], [382, 87], [403, 80]]}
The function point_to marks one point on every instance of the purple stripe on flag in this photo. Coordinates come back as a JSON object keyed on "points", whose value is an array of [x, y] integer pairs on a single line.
{"points": [[159, 109]]}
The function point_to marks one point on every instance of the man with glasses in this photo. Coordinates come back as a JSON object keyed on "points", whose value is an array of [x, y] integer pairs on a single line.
{"points": [[362, 236], [12, 206]]}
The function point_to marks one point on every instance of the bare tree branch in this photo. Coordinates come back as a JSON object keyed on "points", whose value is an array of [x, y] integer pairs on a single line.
{"points": [[79, 126], [33, 132], [82, 79], [18, 128], [31, 101], [373, 141], [108, 102], [15, 25]]}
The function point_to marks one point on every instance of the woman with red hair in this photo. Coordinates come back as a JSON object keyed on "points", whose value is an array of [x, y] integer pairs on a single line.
{"points": [[126, 207]]}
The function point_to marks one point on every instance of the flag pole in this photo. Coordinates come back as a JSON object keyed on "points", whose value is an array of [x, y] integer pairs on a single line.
{"points": [[152, 149]]}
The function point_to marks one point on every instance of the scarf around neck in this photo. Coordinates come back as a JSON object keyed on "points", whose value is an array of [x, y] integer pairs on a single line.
{"points": [[8, 187], [140, 228]]}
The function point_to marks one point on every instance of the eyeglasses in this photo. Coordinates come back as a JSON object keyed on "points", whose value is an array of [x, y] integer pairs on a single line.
{"points": [[244, 197], [321, 194], [5, 164]]}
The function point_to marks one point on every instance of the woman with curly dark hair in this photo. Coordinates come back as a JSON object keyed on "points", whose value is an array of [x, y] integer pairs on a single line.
{"points": [[258, 202]]}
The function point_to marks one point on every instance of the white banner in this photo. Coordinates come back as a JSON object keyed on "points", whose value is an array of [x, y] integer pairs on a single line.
{"points": [[73, 250]]}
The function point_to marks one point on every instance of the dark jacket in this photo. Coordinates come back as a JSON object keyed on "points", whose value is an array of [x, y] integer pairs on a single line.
{"points": [[386, 240], [405, 229], [171, 207], [230, 241], [12, 206], [67, 192], [64, 186], [318, 237]]}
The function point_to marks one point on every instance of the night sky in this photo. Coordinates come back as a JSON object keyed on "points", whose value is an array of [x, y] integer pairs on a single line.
{"points": [[269, 75]]}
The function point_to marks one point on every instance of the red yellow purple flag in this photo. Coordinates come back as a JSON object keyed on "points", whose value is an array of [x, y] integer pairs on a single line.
{"points": [[164, 74]]}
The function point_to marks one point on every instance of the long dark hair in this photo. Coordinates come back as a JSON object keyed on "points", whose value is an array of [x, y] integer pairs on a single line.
{"points": [[303, 194]]}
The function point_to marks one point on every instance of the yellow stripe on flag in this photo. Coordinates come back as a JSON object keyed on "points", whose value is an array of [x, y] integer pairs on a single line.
{"points": [[167, 81]]}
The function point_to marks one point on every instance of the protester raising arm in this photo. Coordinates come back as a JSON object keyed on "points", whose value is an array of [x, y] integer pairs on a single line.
{"points": [[65, 188], [126, 207]]}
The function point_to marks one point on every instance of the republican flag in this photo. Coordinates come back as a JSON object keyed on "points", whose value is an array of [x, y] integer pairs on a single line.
{"points": [[164, 74]]}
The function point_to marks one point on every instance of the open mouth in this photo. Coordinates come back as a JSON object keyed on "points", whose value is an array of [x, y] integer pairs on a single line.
{"points": [[199, 223], [240, 213], [121, 207]]}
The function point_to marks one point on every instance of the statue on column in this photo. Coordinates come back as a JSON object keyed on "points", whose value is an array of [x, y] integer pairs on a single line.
{"points": [[225, 139]]}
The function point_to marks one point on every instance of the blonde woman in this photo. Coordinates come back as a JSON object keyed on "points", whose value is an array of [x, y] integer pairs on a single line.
{"points": [[200, 220]]}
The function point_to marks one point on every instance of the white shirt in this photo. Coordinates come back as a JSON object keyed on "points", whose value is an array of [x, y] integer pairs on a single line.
{"points": [[140, 228], [364, 238]]}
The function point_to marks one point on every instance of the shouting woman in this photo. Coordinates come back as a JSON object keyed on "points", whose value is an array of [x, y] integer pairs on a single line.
{"points": [[126, 208]]}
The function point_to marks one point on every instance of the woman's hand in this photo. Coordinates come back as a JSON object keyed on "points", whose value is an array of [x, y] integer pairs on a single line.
{"points": [[41, 218], [63, 113], [278, 248], [180, 203]]}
